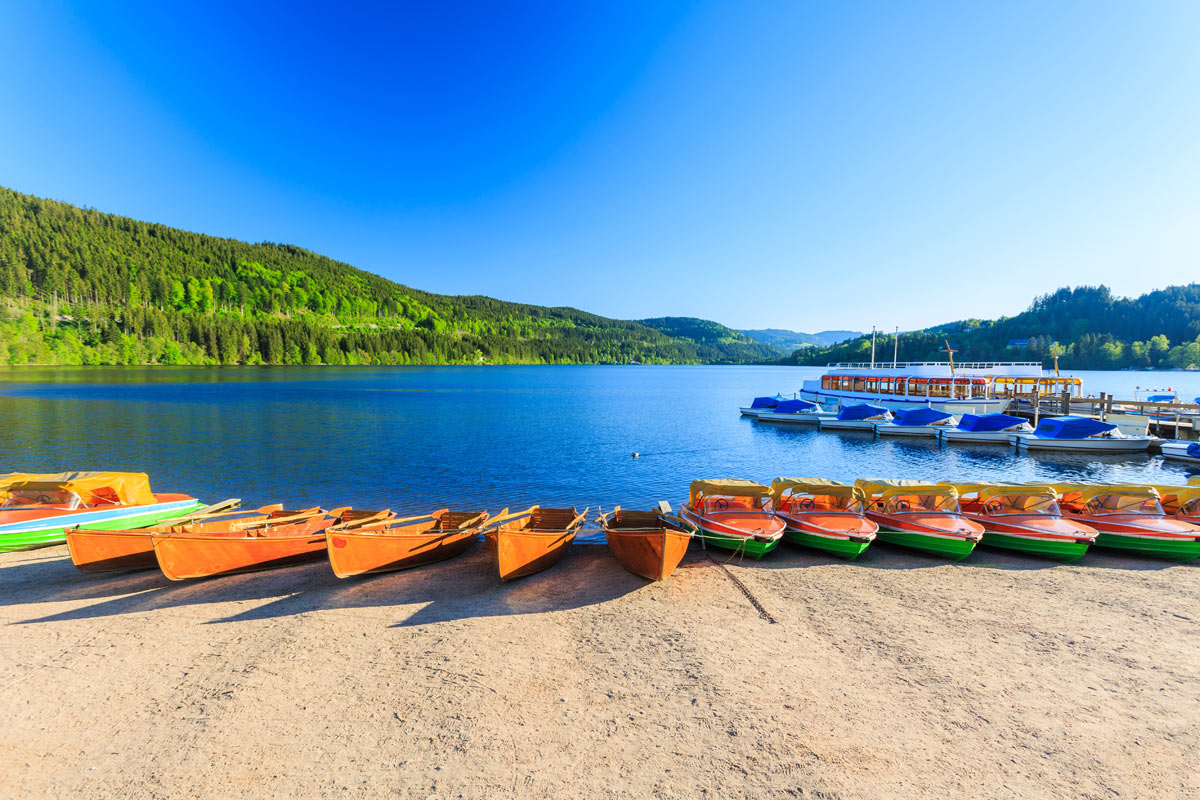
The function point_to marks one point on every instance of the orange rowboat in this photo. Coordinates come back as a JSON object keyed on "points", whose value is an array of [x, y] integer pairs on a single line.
{"points": [[278, 542], [646, 543], [529, 541], [387, 545], [94, 550]]}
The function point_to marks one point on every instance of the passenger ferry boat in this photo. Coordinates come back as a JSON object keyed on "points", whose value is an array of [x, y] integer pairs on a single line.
{"points": [[983, 387]]}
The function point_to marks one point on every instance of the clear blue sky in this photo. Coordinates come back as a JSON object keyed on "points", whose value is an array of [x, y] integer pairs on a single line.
{"points": [[765, 164]]}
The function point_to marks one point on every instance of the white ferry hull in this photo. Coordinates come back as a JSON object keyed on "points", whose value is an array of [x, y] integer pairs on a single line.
{"points": [[1132, 444], [974, 405]]}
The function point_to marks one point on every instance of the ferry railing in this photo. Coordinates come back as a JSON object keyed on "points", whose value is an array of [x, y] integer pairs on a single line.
{"points": [[881, 364]]}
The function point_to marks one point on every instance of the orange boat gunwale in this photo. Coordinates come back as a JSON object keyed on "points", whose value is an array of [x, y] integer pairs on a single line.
{"points": [[525, 542], [647, 543]]}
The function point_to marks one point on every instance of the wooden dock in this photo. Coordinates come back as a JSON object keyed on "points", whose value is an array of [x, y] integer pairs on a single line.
{"points": [[1166, 420]]}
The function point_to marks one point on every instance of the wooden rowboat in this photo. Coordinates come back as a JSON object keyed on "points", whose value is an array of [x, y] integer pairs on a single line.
{"points": [[98, 550], [532, 540], [359, 548], [647, 543], [272, 543]]}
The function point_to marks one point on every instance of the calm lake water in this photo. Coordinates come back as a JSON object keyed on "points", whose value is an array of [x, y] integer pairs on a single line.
{"points": [[414, 439]]}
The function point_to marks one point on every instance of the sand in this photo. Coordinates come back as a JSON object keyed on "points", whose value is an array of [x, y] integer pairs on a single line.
{"points": [[896, 676]]}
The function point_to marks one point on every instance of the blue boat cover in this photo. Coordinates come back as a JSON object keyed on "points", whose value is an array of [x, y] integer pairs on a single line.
{"points": [[1194, 450], [793, 406], [987, 422], [1161, 398], [1071, 428], [861, 411], [764, 402], [923, 415]]}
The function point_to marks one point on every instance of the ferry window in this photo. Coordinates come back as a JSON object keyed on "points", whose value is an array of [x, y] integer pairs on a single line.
{"points": [[961, 389], [885, 385], [872, 385], [978, 390], [860, 385], [917, 389], [824, 381], [846, 384]]}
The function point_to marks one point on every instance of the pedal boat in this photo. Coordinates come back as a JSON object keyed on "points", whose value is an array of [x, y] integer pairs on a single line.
{"points": [[922, 516], [989, 428], [920, 421], [1181, 502], [95, 550], [647, 543], [211, 550], [1024, 518], [1082, 434], [384, 545], [860, 417], [1131, 519], [529, 541], [38, 509], [795, 411], [733, 514], [824, 515]]}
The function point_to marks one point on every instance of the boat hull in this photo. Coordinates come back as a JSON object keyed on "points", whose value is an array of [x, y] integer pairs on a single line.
{"points": [[652, 554], [725, 537], [1177, 451], [1173, 549], [184, 556], [52, 530], [888, 429], [519, 553], [111, 551], [360, 552], [924, 538], [841, 547], [866, 425], [799, 418], [848, 544], [986, 437], [1136, 444], [1064, 550]]}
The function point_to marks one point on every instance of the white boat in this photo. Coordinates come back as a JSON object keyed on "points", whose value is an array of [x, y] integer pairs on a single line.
{"points": [[1080, 434], [916, 422], [794, 411], [760, 404], [860, 417], [994, 428], [1178, 450], [969, 388]]}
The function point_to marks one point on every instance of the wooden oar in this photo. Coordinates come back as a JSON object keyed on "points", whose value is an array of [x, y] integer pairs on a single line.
{"points": [[504, 517], [299, 516], [481, 517]]}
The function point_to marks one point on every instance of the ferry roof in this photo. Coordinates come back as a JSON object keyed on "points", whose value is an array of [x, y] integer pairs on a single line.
{"points": [[940, 369]]}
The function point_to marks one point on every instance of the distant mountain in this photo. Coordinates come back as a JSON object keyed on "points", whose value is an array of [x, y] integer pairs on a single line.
{"points": [[736, 346], [794, 340], [1088, 327]]}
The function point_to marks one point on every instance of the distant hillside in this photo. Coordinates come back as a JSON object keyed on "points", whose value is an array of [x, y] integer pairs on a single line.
{"points": [[1087, 326], [78, 286], [704, 332], [792, 340]]}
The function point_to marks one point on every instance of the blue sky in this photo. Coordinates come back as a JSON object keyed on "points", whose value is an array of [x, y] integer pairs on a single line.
{"points": [[786, 164]]}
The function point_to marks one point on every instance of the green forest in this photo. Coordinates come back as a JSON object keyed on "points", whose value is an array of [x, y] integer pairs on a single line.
{"points": [[78, 286], [1087, 327]]}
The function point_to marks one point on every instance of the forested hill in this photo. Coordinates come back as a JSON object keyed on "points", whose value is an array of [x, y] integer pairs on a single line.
{"points": [[78, 286], [1087, 326]]}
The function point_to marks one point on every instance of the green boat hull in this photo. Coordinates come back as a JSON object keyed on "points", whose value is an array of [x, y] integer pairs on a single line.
{"points": [[1175, 550], [45, 537], [842, 548], [955, 549], [750, 547], [1059, 550]]}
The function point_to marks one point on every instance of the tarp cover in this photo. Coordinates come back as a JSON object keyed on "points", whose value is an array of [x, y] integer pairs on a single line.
{"points": [[1089, 490], [1182, 494], [984, 423], [1161, 398], [813, 486], [861, 411], [765, 402], [1071, 428], [887, 488], [132, 488], [730, 487], [988, 490], [920, 416], [794, 406], [1194, 450]]}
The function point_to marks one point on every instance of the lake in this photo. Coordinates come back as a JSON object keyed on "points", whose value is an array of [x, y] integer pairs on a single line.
{"points": [[418, 438]]}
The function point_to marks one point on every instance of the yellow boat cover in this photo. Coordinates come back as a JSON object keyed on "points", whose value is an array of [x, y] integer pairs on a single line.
{"points": [[133, 488], [987, 491], [1182, 494], [729, 487], [819, 486], [1194, 480], [1087, 491], [873, 487]]}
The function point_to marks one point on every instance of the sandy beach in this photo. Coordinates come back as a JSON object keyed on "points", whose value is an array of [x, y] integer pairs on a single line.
{"points": [[895, 676]]}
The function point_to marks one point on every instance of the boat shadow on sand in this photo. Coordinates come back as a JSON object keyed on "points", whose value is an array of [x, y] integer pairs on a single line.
{"points": [[458, 588]]}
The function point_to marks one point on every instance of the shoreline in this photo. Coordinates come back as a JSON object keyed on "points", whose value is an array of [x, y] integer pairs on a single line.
{"points": [[894, 675]]}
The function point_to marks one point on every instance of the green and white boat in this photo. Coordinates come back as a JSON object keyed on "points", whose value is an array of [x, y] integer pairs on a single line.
{"points": [[1024, 518], [38, 509], [921, 516], [733, 514], [824, 515]]}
